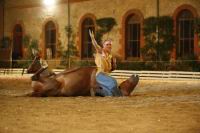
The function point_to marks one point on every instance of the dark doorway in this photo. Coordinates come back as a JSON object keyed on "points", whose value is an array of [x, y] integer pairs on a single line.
{"points": [[132, 35], [17, 44], [87, 49], [185, 34], [50, 40]]}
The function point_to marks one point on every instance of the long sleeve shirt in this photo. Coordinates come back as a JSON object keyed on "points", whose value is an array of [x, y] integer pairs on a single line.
{"points": [[103, 62]]}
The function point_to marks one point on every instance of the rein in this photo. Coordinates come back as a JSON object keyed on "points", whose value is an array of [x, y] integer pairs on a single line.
{"points": [[41, 70]]}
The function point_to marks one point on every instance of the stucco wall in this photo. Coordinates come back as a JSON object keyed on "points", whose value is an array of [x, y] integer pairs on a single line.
{"points": [[1, 20], [33, 20], [168, 7], [32, 15]]}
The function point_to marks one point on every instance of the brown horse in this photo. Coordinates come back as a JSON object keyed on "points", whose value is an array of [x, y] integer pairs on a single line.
{"points": [[72, 82]]}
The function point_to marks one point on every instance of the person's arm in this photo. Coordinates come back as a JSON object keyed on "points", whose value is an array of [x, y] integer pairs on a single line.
{"points": [[94, 42]]}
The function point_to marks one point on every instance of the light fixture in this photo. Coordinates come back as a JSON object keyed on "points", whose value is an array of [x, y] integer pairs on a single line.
{"points": [[49, 2]]}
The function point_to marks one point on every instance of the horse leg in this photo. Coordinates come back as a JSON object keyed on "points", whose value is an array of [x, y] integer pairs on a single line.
{"points": [[38, 88], [51, 88], [43, 87]]}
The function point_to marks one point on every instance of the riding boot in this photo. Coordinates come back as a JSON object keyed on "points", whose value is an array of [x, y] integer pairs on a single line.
{"points": [[101, 92]]}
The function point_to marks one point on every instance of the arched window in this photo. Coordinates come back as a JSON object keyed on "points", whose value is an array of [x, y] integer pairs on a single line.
{"points": [[17, 42], [87, 48], [132, 36], [50, 40], [185, 33]]}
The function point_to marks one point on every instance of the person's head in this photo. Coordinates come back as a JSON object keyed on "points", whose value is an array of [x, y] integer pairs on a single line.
{"points": [[107, 45]]}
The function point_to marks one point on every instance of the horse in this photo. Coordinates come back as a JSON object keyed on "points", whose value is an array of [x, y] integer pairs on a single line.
{"points": [[79, 81]]}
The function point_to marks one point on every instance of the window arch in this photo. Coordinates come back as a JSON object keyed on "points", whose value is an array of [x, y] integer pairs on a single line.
{"points": [[17, 42], [132, 36], [87, 48], [185, 33], [50, 40]]}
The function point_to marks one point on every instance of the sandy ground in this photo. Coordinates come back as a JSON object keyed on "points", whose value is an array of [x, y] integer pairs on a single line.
{"points": [[154, 107]]}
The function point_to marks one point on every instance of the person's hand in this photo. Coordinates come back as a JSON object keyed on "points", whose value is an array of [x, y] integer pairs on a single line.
{"points": [[94, 43], [91, 34]]}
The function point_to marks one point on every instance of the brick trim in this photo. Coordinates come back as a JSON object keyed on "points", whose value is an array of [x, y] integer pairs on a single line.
{"points": [[42, 36], [122, 50], [79, 32], [175, 14]]}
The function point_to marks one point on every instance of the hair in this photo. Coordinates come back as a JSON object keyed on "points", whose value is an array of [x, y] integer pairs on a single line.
{"points": [[107, 41]]}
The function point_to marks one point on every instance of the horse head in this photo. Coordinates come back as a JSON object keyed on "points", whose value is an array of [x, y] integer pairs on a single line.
{"points": [[35, 65], [128, 85]]}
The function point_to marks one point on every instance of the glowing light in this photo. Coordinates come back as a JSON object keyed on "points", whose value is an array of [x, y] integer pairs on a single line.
{"points": [[49, 2]]}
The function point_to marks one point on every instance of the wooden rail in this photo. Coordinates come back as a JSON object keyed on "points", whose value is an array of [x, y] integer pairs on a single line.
{"points": [[13, 71], [124, 74], [171, 75]]}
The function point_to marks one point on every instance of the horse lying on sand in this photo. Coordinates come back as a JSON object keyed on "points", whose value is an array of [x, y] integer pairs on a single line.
{"points": [[72, 82]]}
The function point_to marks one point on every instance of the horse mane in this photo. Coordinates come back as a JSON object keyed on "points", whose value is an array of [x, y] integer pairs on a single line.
{"points": [[67, 71]]}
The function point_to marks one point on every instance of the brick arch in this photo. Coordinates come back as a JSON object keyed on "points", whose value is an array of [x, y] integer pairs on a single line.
{"points": [[42, 37], [21, 23], [122, 40], [185, 6], [79, 33], [175, 15]]}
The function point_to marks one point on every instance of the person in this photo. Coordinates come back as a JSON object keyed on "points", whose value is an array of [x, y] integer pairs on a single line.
{"points": [[105, 64]]}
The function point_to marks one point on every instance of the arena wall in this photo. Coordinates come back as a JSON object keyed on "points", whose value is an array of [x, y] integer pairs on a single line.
{"points": [[33, 15]]}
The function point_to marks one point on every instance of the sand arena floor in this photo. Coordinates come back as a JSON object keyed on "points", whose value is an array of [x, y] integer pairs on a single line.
{"points": [[154, 107]]}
